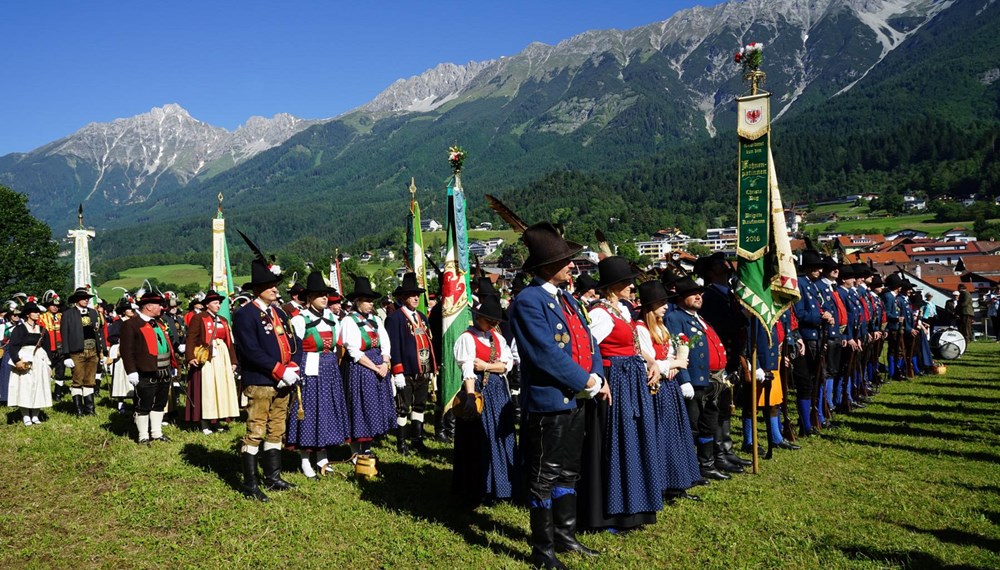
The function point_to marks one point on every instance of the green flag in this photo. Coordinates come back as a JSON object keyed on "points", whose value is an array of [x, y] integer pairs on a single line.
{"points": [[222, 271], [456, 295], [415, 247]]}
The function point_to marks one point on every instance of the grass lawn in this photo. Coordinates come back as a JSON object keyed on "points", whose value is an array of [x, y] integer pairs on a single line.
{"points": [[887, 225], [435, 240], [911, 481], [131, 279]]}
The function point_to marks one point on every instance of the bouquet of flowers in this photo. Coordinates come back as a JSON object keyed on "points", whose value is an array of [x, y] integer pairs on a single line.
{"points": [[456, 156], [750, 57], [684, 344]]}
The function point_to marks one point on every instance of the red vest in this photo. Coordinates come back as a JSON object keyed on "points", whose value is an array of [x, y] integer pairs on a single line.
{"points": [[579, 336], [483, 351]]}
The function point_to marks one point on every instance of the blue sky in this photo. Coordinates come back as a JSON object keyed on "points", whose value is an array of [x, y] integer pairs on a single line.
{"points": [[69, 63]]}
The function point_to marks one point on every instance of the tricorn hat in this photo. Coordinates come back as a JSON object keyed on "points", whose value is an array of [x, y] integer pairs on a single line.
{"points": [[652, 294], [546, 245], [409, 286], [490, 308], [615, 269], [363, 290]]}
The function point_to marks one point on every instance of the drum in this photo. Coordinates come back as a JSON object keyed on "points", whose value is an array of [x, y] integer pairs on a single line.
{"points": [[948, 343]]}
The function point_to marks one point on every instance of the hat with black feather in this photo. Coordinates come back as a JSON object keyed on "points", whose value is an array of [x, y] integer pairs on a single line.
{"points": [[262, 271]]}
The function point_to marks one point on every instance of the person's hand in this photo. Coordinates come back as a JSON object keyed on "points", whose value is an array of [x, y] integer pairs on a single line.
{"points": [[828, 318], [652, 373], [383, 370], [679, 363], [399, 381], [479, 365], [605, 393], [671, 374], [802, 346], [193, 362], [687, 390], [133, 379], [234, 368], [68, 363], [289, 377]]}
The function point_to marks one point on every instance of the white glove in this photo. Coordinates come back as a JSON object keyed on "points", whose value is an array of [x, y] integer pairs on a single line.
{"points": [[588, 393], [289, 378], [760, 375], [181, 347], [687, 390], [68, 363], [399, 381], [133, 379]]}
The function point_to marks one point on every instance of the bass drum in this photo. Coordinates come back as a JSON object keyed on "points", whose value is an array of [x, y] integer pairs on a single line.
{"points": [[948, 343]]}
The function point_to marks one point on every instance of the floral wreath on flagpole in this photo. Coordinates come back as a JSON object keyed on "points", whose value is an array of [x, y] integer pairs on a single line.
{"points": [[751, 56], [456, 157]]}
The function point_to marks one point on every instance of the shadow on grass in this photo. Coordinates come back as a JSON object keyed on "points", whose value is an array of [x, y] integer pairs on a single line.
{"points": [[995, 489], [119, 424], [224, 464], [424, 492], [966, 384], [936, 408], [970, 455], [959, 537], [858, 424], [962, 398], [907, 559]]}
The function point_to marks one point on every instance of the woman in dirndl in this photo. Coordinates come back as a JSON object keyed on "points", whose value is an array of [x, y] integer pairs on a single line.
{"points": [[485, 465], [371, 408], [30, 388], [120, 388], [211, 391], [673, 429], [320, 393], [621, 483]]}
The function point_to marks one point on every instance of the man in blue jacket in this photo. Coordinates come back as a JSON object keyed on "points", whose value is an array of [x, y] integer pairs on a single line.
{"points": [[269, 357], [559, 361]]}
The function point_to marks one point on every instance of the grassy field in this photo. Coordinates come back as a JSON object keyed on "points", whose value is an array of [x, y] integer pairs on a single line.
{"points": [[912, 481], [879, 222], [131, 279], [435, 240]]}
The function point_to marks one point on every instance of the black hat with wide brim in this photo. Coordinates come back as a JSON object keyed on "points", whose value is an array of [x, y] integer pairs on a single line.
{"points": [[29, 308], [615, 269], [363, 290], [262, 273], [585, 283], [686, 286], [485, 288], [79, 294], [212, 296], [150, 297], [652, 294], [703, 264], [409, 286], [812, 258], [546, 245], [489, 307]]}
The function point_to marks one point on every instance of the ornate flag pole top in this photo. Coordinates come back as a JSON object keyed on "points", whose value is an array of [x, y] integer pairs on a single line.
{"points": [[79, 216], [751, 57], [220, 202]]}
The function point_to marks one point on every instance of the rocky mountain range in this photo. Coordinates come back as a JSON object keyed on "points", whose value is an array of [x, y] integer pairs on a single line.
{"points": [[592, 102]]}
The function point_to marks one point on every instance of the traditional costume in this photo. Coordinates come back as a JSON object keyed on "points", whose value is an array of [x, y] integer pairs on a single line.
{"points": [[83, 343], [321, 392], [149, 362], [29, 389], [486, 461], [211, 388]]}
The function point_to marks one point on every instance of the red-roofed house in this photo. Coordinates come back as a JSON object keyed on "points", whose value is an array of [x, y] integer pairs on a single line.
{"points": [[880, 258], [946, 252], [853, 243]]}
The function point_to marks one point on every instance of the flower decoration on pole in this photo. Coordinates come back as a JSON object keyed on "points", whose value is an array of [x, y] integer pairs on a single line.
{"points": [[456, 157], [751, 56]]}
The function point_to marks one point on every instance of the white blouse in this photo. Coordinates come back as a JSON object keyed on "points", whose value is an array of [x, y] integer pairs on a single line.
{"points": [[465, 351], [602, 323], [646, 344], [350, 337]]}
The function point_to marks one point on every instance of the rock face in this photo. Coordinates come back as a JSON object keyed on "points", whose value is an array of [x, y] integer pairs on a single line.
{"points": [[593, 100]]}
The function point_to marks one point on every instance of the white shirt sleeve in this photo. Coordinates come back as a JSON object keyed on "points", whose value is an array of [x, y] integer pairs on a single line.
{"points": [[506, 356], [515, 357], [383, 339], [299, 326], [350, 337], [601, 324], [465, 354]]}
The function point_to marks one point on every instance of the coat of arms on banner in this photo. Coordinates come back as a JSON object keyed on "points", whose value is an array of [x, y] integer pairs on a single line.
{"points": [[753, 115]]}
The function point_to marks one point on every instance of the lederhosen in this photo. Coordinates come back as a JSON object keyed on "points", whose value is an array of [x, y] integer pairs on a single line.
{"points": [[154, 387]]}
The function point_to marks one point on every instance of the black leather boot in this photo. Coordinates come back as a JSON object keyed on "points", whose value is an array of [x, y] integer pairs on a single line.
{"points": [[723, 464], [401, 446], [543, 554], [78, 402], [564, 525], [417, 433], [270, 463], [446, 428], [88, 405], [250, 489], [706, 462]]}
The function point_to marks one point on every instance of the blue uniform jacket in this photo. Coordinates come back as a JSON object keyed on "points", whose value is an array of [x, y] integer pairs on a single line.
{"points": [[808, 309], [767, 354], [854, 312], [402, 344], [257, 347], [550, 379], [892, 312], [830, 306], [697, 372]]}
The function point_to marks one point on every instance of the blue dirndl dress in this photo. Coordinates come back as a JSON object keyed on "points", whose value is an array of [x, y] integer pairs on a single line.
{"points": [[673, 433], [325, 423], [370, 404]]}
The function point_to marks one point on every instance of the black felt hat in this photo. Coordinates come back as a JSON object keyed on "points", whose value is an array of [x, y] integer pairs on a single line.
{"points": [[150, 297], [829, 263], [262, 272], [615, 269], [29, 308], [80, 293], [585, 283], [652, 294], [686, 286], [546, 245], [490, 308], [812, 258], [409, 286], [703, 264], [363, 290], [485, 288], [894, 281], [212, 296], [316, 284]]}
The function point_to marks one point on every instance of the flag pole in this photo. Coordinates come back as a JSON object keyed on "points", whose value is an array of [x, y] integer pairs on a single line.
{"points": [[755, 458]]}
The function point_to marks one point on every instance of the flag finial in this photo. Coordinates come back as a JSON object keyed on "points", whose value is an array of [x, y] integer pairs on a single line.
{"points": [[79, 216], [220, 202]]}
